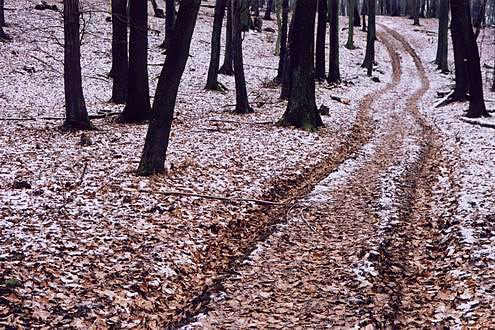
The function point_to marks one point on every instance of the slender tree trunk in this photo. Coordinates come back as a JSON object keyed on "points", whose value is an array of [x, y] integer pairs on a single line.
{"points": [[227, 68], [212, 81], [321, 32], [158, 12], [364, 12], [417, 4], [137, 107], [350, 35], [278, 11], [76, 115], [369, 58], [169, 23], [333, 60], [283, 39], [463, 29], [357, 20], [301, 111], [443, 32], [120, 61], [241, 97], [2, 13], [286, 73], [268, 10], [158, 135]]}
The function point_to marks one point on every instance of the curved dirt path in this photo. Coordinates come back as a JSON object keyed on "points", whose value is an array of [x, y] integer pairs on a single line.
{"points": [[346, 255]]}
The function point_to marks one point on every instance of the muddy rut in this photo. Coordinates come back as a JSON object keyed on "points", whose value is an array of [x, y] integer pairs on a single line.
{"points": [[345, 254]]}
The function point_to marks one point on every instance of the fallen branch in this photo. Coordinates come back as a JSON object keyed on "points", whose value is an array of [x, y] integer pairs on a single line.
{"points": [[446, 100], [477, 122], [261, 67], [222, 198], [313, 229], [340, 99], [110, 114], [83, 173], [241, 122]]}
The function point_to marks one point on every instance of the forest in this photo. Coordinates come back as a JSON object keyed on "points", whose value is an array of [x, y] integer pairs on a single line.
{"points": [[247, 164]]}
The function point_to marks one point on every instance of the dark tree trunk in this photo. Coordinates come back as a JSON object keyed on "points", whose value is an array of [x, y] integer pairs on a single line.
{"points": [[461, 26], [241, 97], [333, 61], [350, 35], [268, 11], [169, 23], [76, 115], [157, 137], [120, 62], [227, 68], [283, 39], [443, 32], [364, 12], [321, 32], [480, 16], [461, 73], [357, 20], [286, 74], [417, 5], [158, 12], [493, 78], [301, 111], [3, 35], [369, 59], [212, 80], [137, 107]]}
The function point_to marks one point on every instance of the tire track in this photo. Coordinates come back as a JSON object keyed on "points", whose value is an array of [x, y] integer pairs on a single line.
{"points": [[269, 219]]}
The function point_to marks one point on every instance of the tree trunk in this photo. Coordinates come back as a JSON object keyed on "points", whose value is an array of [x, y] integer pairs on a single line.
{"points": [[268, 10], [369, 58], [364, 12], [301, 111], [417, 5], [357, 19], [158, 12], [120, 62], [321, 31], [461, 73], [76, 115], [2, 13], [286, 74], [137, 108], [212, 81], [461, 26], [157, 137], [283, 39], [169, 23], [443, 32], [333, 61], [241, 97], [350, 35], [227, 61]]}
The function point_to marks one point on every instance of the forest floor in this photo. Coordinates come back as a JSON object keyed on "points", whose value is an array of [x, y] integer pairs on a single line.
{"points": [[384, 217]]}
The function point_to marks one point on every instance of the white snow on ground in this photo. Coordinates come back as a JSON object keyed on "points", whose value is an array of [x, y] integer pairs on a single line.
{"points": [[470, 152]]}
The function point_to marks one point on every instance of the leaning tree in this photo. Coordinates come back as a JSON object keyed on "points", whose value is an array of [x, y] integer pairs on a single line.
{"points": [[158, 135], [301, 110], [76, 114], [137, 108]]}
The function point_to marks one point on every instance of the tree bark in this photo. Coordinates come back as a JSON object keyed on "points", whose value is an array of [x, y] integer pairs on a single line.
{"points": [[369, 58], [357, 19], [463, 29], [443, 31], [2, 13], [283, 39], [76, 114], [212, 80], [350, 35], [333, 61], [169, 23], [417, 5], [158, 135], [241, 97], [137, 108], [301, 111], [321, 31], [226, 67], [269, 5], [120, 61]]}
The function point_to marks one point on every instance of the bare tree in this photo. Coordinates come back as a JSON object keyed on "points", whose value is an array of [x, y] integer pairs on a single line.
{"points": [[226, 67], [158, 135], [443, 39], [301, 110], [76, 114], [333, 59], [212, 80], [321, 31], [369, 58], [120, 60]]}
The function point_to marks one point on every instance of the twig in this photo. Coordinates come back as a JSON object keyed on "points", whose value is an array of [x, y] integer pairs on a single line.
{"points": [[222, 198], [241, 122], [477, 122], [83, 173]]}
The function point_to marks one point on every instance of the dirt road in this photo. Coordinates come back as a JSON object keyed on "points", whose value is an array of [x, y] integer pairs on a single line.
{"points": [[357, 250]]}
